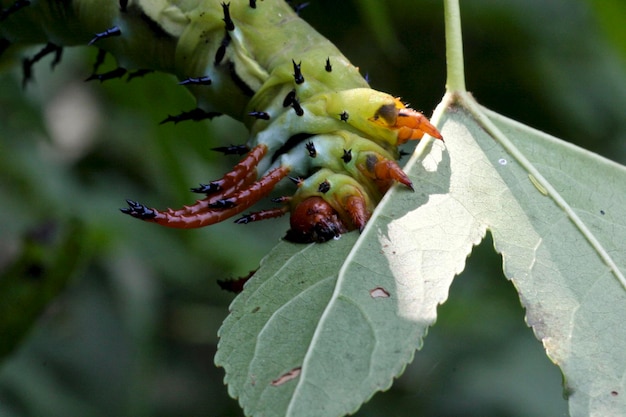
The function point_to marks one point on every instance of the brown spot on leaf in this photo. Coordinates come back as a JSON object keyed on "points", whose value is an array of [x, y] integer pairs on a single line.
{"points": [[287, 376], [379, 292]]}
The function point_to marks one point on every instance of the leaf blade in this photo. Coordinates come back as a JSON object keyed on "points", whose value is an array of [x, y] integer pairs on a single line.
{"points": [[561, 274]]}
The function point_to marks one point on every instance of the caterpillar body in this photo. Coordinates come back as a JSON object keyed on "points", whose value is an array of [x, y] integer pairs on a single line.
{"points": [[312, 117]]}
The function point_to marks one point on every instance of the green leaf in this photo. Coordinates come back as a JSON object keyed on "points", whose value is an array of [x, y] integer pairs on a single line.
{"points": [[320, 329], [323, 327], [556, 213]]}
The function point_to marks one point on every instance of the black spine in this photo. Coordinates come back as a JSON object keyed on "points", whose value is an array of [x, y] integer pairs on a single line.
{"points": [[113, 31], [138, 210], [289, 98], [328, 67], [261, 115], [297, 72], [138, 74], [196, 81], [310, 147], [347, 155], [230, 25], [196, 115], [232, 149], [105, 76], [221, 50], [295, 104], [99, 60]]}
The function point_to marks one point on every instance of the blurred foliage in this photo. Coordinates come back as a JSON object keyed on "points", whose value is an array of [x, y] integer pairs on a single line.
{"points": [[134, 332]]}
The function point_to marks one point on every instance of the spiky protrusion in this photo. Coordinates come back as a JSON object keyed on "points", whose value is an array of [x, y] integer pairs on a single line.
{"points": [[113, 31], [228, 21], [118, 72], [205, 80], [138, 210], [27, 64], [297, 72], [196, 115], [232, 149]]}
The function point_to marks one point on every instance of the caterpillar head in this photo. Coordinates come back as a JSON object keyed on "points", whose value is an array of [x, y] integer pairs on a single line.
{"points": [[314, 220], [380, 115], [327, 205]]}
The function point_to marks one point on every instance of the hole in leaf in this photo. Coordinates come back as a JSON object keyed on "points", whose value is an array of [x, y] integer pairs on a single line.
{"points": [[287, 376], [379, 292]]}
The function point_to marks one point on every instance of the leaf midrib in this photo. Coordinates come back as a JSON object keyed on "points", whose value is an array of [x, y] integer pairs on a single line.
{"points": [[465, 100]]}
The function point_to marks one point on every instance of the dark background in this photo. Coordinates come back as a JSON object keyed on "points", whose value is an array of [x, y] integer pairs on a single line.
{"points": [[135, 331]]}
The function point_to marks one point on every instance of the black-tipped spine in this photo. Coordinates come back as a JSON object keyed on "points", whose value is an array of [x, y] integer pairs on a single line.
{"points": [[99, 60], [223, 203], [296, 180], [297, 72], [138, 74], [260, 115], [27, 64], [196, 115], [111, 32], [328, 67], [232, 149], [289, 98], [347, 155], [205, 80], [295, 104], [208, 189], [281, 200], [228, 21], [221, 50], [139, 211], [105, 76], [310, 147], [299, 7]]}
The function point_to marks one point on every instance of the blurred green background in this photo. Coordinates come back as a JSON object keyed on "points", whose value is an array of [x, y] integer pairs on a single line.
{"points": [[134, 331]]}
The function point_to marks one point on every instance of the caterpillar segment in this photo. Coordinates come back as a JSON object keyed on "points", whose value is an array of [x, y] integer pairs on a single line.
{"points": [[310, 113]]}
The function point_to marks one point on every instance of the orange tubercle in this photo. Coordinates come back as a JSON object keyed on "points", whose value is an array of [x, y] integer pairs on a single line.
{"points": [[411, 124]]}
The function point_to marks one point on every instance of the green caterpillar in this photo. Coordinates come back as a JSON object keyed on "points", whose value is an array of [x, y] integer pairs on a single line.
{"points": [[311, 116]]}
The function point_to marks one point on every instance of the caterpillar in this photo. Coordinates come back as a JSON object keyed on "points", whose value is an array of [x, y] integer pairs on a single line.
{"points": [[312, 117]]}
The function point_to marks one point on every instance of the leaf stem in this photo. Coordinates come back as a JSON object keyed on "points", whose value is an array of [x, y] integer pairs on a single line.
{"points": [[454, 47]]}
